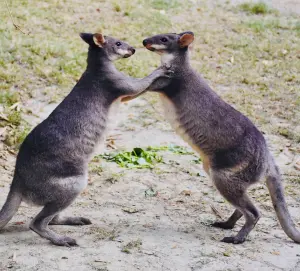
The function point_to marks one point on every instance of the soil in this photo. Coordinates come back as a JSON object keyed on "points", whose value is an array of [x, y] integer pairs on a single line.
{"points": [[167, 231]]}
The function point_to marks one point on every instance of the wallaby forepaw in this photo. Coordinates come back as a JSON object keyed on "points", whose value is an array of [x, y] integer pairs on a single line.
{"points": [[222, 225], [64, 241], [169, 73], [233, 240], [167, 66]]}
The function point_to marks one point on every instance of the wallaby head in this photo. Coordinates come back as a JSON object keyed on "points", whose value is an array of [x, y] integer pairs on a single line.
{"points": [[169, 45], [110, 47]]}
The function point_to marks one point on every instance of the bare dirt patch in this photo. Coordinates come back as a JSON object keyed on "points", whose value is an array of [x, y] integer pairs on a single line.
{"points": [[167, 230]]}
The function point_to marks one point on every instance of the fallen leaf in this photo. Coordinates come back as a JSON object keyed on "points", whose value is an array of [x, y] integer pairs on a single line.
{"points": [[186, 193], [16, 106], [150, 192], [130, 210], [19, 223]]}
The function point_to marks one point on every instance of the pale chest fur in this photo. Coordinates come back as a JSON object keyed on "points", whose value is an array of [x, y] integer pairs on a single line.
{"points": [[171, 115], [110, 124]]}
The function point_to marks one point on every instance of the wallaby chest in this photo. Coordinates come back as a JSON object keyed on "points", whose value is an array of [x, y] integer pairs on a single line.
{"points": [[172, 115], [111, 121]]}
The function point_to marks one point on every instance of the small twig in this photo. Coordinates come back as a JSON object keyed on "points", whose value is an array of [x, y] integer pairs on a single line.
{"points": [[14, 257], [111, 146], [2, 117], [12, 20], [216, 212]]}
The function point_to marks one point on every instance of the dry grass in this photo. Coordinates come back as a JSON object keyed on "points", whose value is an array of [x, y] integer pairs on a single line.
{"points": [[250, 58]]}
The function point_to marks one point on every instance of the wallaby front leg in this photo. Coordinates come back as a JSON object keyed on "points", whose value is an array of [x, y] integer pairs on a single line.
{"points": [[134, 86]]}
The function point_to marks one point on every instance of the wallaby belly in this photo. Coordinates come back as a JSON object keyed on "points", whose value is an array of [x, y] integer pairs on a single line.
{"points": [[171, 115]]}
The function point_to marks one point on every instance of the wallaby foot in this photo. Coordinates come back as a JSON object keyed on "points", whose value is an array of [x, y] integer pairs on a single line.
{"points": [[230, 223], [72, 221], [40, 225], [234, 191], [251, 215]]}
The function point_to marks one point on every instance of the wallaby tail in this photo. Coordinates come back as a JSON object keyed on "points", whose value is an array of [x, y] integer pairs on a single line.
{"points": [[10, 207], [274, 184]]}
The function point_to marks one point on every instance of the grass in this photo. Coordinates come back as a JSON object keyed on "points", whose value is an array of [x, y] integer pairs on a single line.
{"points": [[135, 244], [172, 148], [11, 118], [255, 8], [103, 233], [9, 98], [137, 158], [141, 158], [249, 54]]}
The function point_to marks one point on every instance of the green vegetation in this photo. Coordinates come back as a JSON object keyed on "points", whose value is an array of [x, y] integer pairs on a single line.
{"points": [[9, 98], [172, 148], [11, 118], [141, 158], [136, 244], [137, 158], [255, 8], [251, 60]]}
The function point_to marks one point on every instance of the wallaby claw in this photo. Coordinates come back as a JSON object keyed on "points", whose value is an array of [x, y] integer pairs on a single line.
{"points": [[167, 66], [168, 71], [65, 241]]}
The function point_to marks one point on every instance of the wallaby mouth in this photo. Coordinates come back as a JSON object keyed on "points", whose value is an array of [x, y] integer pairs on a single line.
{"points": [[130, 52], [149, 47]]}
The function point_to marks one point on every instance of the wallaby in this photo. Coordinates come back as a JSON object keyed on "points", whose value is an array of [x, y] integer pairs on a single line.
{"points": [[233, 151], [52, 164]]}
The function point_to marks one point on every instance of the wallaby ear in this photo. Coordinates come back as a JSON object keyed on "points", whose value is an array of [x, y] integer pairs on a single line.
{"points": [[186, 38], [87, 37], [99, 39]]}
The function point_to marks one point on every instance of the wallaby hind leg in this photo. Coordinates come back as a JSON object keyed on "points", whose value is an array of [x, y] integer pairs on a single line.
{"points": [[73, 221], [230, 223], [235, 192], [40, 225]]}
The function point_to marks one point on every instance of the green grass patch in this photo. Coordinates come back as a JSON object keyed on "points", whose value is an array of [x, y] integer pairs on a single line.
{"points": [[258, 50], [16, 136], [164, 4], [255, 8], [8, 98], [137, 158], [172, 148]]}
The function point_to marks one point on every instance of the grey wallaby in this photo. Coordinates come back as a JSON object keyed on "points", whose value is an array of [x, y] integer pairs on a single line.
{"points": [[52, 164], [233, 151]]}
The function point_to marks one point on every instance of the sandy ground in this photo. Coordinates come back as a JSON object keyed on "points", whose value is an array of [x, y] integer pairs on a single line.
{"points": [[132, 231]]}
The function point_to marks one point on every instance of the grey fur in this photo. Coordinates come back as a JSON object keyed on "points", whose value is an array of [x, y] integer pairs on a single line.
{"points": [[234, 152], [52, 164]]}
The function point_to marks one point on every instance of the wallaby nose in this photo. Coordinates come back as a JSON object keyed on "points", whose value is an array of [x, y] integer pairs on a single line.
{"points": [[132, 50], [145, 41]]}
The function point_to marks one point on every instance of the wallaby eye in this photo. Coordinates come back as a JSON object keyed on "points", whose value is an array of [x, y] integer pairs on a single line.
{"points": [[163, 39], [118, 43]]}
